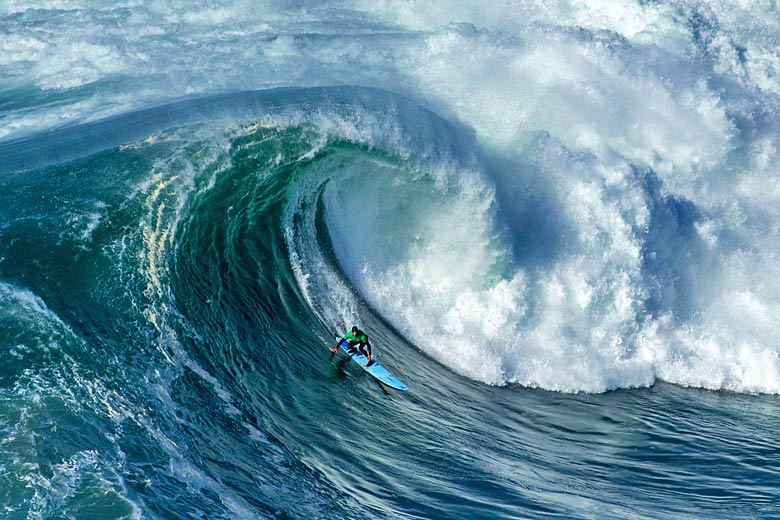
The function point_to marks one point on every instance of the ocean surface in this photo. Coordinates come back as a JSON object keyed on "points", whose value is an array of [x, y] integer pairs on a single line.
{"points": [[558, 221]]}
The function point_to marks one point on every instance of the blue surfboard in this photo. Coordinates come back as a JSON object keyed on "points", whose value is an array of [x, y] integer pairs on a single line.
{"points": [[376, 370]]}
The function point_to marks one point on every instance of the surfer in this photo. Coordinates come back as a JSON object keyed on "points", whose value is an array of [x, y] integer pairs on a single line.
{"points": [[359, 338]]}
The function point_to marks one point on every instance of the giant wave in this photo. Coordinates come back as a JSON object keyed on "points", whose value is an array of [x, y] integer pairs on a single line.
{"points": [[576, 197], [614, 225]]}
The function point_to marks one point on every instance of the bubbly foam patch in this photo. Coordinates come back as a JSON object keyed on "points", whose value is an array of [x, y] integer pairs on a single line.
{"points": [[639, 283], [48, 393], [435, 260]]}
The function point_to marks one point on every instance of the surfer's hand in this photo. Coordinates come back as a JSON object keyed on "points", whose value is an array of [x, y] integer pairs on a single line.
{"points": [[334, 349]]}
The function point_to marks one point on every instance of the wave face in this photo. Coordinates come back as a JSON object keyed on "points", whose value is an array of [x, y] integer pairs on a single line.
{"points": [[579, 198]]}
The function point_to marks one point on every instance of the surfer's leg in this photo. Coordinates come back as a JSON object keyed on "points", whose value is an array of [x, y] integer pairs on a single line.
{"points": [[365, 352]]}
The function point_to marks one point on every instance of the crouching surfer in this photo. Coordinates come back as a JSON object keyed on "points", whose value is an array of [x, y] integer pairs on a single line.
{"points": [[357, 338]]}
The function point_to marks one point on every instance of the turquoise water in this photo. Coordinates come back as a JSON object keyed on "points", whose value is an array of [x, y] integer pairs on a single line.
{"points": [[565, 246]]}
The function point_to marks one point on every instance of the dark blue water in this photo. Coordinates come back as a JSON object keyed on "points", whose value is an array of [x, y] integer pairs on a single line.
{"points": [[565, 246]]}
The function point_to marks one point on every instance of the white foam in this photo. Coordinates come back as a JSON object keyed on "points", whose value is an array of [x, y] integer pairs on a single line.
{"points": [[22, 305], [454, 293], [433, 261]]}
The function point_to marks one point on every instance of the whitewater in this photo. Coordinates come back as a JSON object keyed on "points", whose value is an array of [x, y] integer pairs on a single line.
{"points": [[557, 221]]}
